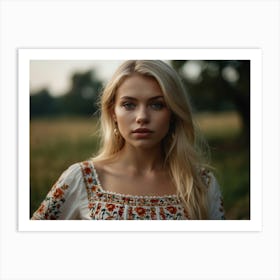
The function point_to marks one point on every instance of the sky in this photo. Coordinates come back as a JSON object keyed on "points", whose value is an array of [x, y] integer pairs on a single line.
{"points": [[56, 74]]}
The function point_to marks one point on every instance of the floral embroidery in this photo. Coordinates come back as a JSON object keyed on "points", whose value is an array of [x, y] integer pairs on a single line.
{"points": [[41, 209], [50, 207], [121, 211], [162, 214], [171, 209], [221, 208], [87, 170], [205, 175], [90, 205], [58, 193], [108, 205], [140, 211]]}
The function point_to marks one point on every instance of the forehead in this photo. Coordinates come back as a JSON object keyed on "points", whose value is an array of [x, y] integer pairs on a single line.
{"points": [[139, 86]]}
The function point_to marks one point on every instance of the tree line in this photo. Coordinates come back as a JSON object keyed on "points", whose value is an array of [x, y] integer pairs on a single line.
{"points": [[80, 100]]}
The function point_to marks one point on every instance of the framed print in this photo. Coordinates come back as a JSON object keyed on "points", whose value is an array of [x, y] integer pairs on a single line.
{"points": [[58, 125]]}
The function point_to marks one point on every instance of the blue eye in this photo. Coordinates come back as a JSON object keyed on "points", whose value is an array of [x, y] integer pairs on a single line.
{"points": [[128, 106], [157, 105]]}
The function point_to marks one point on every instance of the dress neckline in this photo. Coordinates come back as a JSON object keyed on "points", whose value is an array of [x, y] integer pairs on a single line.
{"points": [[95, 174]]}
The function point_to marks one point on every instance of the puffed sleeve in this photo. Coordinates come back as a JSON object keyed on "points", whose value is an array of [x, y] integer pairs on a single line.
{"points": [[63, 200], [215, 199]]}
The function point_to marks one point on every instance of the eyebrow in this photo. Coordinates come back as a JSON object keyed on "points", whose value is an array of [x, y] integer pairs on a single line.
{"points": [[132, 98]]}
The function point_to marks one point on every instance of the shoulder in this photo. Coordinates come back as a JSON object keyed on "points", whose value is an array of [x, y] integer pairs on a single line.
{"points": [[70, 179], [72, 173], [79, 169], [76, 174]]}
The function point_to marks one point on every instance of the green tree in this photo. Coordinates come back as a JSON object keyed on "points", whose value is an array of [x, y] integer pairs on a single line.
{"points": [[83, 95], [41, 103], [81, 99], [218, 85]]}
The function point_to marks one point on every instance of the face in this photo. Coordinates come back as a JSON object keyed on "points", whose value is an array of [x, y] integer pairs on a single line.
{"points": [[141, 113]]}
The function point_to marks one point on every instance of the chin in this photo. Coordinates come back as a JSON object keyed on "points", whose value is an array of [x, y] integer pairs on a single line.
{"points": [[144, 144]]}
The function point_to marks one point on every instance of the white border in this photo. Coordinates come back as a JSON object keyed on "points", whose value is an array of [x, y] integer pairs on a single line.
{"points": [[24, 58]]}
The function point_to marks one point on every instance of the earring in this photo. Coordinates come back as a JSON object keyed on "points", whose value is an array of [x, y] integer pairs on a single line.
{"points": [[116, 130]]}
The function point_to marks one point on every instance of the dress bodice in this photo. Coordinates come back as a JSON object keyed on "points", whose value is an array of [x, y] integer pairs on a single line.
{"points": [[78, 194]]}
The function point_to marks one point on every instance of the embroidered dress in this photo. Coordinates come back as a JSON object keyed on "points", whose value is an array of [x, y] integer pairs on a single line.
{"points": [[78, 195]]}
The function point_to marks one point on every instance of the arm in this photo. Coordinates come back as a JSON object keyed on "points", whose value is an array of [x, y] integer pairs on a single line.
{"points": [[63, 200], [215, 200]]}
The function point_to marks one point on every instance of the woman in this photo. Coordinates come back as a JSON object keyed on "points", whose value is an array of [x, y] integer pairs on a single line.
{"points": [[148, 166]]}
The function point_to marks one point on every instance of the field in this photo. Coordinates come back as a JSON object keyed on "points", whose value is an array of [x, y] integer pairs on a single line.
{"points": [[57, 143]]}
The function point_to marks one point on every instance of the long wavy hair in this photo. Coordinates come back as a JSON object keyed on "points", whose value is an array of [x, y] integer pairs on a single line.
{"points": [[182, 153]]}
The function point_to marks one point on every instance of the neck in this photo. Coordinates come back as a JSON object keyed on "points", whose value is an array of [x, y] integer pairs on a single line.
{"points": [[143, 160]]}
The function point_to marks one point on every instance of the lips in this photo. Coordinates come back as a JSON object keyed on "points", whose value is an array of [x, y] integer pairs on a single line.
{"points": [[142, 130]]}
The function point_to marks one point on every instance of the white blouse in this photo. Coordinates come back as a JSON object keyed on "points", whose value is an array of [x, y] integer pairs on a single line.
{"points": [[78, 195]]}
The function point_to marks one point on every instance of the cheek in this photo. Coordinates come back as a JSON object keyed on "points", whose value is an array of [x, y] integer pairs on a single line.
{"points": [[164, 121], [118, 114], [122, 118], [165, 118]]}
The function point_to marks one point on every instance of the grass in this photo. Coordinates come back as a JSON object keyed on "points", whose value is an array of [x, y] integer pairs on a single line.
{"points": [[55, 144], [231, 160]]}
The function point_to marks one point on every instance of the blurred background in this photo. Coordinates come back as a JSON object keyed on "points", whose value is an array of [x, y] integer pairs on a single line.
{"points": [[64, 120]]}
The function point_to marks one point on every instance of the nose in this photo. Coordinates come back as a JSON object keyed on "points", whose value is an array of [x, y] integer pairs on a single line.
{"points": [[142, 116]]}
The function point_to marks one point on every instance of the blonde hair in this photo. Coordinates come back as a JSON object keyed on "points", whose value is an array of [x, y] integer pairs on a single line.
{"points": [[180, 146]]}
